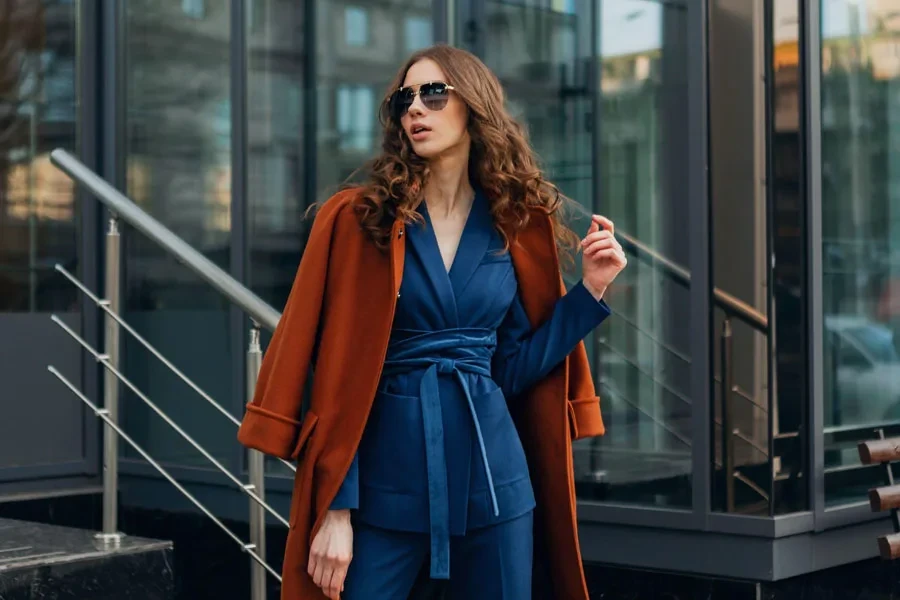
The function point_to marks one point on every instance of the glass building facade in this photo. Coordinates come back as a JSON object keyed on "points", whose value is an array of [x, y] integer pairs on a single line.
{"points": [[744, 148]]}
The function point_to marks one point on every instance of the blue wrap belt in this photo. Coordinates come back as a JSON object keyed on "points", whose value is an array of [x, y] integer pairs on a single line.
{"points": [[450, 351]]}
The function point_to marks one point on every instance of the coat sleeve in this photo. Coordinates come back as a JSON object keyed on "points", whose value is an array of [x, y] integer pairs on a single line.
{"points": [[583, 402], [272, 423], [524, 356]]}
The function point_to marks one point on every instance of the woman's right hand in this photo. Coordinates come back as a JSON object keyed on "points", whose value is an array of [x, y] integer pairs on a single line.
{"points": [[331, 552]]}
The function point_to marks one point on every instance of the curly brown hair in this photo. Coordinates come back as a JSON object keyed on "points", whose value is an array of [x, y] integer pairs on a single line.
{"points": [[501, 161]]}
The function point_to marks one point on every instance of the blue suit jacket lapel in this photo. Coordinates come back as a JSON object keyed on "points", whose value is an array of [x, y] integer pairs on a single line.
{"points": [[424, 243], [476, 237]]}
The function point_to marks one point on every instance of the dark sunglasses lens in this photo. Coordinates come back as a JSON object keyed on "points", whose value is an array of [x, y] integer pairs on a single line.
{"points": [[435, 95], [400, 102]]}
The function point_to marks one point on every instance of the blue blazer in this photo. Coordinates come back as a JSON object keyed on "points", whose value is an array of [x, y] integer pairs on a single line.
{"points": [[440, 453]]}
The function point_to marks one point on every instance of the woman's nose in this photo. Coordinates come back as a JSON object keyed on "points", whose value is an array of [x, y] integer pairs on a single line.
{"points": [[417, 108]]}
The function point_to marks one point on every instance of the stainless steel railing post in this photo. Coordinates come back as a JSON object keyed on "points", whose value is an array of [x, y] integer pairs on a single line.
{"points": [[257, 471], [110, 533], [728, 428]]}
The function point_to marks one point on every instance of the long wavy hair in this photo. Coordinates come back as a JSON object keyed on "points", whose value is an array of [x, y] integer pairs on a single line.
{"points": [[501, 161]]}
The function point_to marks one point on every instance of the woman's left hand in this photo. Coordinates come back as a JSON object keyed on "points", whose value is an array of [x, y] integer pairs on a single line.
{"points": [[603, 256]]}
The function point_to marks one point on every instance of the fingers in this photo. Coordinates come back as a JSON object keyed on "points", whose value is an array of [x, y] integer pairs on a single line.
{"points": [[319, 573], [313, 564], [601, 244], [335, 585], [605, 223], [592, 237], [328, 569], [607, 253], [328, 574], [599, 241], [615, 256]]}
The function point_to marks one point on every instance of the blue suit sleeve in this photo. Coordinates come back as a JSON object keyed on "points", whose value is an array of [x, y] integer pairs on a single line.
{"points": [[348, 494], [524, 356]]}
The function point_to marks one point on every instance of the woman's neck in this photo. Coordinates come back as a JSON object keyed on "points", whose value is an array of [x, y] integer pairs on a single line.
{"points": [[448, 190]]}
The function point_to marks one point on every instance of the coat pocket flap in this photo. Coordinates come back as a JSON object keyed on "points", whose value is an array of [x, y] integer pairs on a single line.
{"points": [[306, 429]]}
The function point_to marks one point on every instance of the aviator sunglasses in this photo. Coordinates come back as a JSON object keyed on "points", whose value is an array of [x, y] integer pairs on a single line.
{"points": [[434, 94]]}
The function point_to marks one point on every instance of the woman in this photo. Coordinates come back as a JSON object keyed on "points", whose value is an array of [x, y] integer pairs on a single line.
{"points": [[425, 391]]}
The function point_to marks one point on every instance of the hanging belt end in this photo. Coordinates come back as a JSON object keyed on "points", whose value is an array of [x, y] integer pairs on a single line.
{"points": [[440, 566]]}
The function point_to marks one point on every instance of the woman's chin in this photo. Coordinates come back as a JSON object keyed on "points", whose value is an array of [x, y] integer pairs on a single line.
{"points": [[426, 150]]}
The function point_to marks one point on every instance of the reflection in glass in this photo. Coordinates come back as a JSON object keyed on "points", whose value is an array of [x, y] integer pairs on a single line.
{"points": [[178, 153], [740, 474], [789, 271], [643, 354], [366, 42], [641, 357], [356, 25], [276, 133], [860, 234], [37, 114]]}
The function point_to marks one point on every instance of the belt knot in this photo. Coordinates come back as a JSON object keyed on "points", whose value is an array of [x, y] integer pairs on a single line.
{"points": [[446, 365]]}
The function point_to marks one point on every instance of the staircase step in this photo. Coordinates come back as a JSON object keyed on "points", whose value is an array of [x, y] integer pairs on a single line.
{"points": [[47, 561]]}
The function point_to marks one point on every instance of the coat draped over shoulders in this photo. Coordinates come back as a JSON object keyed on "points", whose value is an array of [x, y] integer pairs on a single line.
{"points": [[337, 324]]}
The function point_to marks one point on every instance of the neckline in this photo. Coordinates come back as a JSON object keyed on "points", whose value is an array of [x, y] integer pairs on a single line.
{"points": [[462, 236]]}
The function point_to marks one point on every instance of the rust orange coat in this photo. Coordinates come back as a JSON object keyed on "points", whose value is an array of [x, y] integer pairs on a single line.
{"points": [[338, 319]]}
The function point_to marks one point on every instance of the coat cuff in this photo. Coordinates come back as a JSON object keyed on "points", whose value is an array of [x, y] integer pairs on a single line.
{"points": [[586, 418], [268, 432]]}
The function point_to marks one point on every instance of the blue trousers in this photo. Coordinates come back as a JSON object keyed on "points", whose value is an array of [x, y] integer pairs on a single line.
{"points": [[488, 563]]}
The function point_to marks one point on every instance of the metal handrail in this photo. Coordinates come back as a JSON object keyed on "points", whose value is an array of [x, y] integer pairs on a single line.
{"points": [[733, 307], [651, 376], [104, 414], [723, 299], [104, 306], [261, 314], [620, 316], [605, 382], [131, 213], [103, 359]]}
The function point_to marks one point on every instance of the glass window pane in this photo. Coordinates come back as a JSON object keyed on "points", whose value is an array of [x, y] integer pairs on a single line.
{"points": [[277, 165], [641, 356], [744, 470], [356, 23], [350, 88], [418, 33], [860, 235], [276, 134], [193, 8], [178, 146], [38, 220], [789, 295]]}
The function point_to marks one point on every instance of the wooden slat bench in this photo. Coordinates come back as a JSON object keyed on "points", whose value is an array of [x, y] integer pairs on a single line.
{"points": [[884, 451]]}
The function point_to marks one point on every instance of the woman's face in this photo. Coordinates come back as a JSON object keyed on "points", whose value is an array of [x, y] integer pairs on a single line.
{"points": [[434, 133]]}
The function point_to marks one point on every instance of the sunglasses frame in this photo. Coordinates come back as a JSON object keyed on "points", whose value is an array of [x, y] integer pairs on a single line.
{"points": [[416, 90]]}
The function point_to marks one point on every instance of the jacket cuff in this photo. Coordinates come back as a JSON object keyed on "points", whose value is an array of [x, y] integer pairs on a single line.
{"points": [[268, 432], [586, 418], [599, 308], [348, 494]]}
